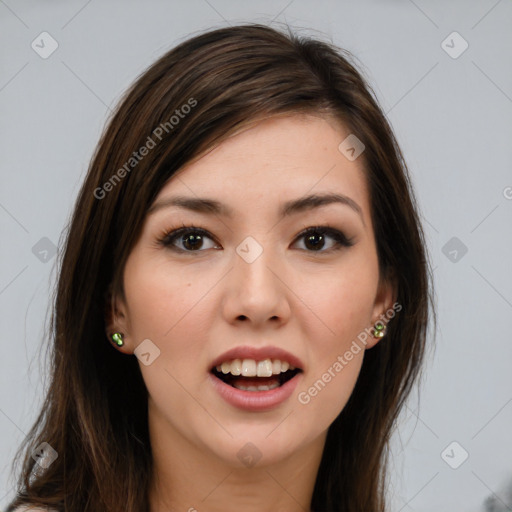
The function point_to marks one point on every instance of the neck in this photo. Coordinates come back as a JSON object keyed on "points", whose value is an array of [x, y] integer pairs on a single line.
{"points": [[188, 478]]}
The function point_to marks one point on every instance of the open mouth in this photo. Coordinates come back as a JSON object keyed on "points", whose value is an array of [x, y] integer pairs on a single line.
{"points": [[234, 376]]}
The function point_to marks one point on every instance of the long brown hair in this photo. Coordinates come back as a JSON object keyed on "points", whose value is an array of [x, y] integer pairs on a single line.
{"points": [[195, 96]]}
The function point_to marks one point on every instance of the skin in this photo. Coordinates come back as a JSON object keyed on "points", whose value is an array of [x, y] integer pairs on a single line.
{"points": [[195, 305]]}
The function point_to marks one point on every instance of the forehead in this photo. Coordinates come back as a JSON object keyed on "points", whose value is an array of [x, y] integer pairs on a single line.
{"points": [[277, 159]]}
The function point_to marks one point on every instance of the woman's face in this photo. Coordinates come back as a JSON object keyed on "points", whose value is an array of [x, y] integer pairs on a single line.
{"points": [[250, 294]]}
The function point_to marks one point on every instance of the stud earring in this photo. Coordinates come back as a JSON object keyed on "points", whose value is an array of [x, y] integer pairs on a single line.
{"points": [[379, 330], [117, 338]]}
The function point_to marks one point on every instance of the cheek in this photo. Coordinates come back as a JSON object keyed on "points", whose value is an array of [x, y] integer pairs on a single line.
{"points": [[332, 376], [163, 303], [166, 307], [341, 303], [169, 308]]}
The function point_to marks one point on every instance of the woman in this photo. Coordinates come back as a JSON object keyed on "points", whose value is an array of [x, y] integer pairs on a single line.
{"points": [[248, 241]]}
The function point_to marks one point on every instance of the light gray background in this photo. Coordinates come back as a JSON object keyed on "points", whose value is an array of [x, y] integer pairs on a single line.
{"points": [[452, 117]]}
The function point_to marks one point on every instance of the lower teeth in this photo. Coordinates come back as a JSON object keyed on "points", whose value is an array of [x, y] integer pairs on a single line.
{"points": [[256, 388]]}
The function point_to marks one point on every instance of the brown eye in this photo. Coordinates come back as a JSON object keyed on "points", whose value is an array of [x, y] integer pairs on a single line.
{"points": [[192, 241], [315, 239], [191, 238]]}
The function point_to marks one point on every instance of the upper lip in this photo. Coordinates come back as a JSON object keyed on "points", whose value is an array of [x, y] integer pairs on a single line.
{"points": [[258, 354]]}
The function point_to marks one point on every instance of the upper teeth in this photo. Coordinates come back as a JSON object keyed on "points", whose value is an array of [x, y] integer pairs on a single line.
{"points": [[253, 368]]}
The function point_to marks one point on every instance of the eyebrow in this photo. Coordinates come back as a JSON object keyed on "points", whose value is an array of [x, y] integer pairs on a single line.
{"points": [[214, 207]]}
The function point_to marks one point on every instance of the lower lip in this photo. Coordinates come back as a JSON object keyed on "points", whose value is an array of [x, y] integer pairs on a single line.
{"points": [[255, 400]]}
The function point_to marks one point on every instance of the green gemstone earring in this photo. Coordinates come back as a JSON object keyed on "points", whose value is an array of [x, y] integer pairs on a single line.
{"points": [[379, 330], [117, 338]]}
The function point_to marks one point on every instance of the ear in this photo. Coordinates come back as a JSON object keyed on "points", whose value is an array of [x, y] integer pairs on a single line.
{"points": [[383, 305], [116, 319]]}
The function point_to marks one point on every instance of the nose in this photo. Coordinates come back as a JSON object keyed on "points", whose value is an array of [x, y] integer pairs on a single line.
{"points": [[256, 292]]}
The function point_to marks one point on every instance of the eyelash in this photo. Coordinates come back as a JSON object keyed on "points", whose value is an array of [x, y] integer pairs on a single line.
{"points": [[168, 237]]}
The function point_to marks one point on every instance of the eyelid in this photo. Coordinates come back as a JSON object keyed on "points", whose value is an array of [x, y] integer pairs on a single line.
{"points": [[168, 236], [328, 230], [342, 241]]}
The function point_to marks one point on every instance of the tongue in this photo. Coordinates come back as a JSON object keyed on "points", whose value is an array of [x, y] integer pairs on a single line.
{"points": [[255, 381]]}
